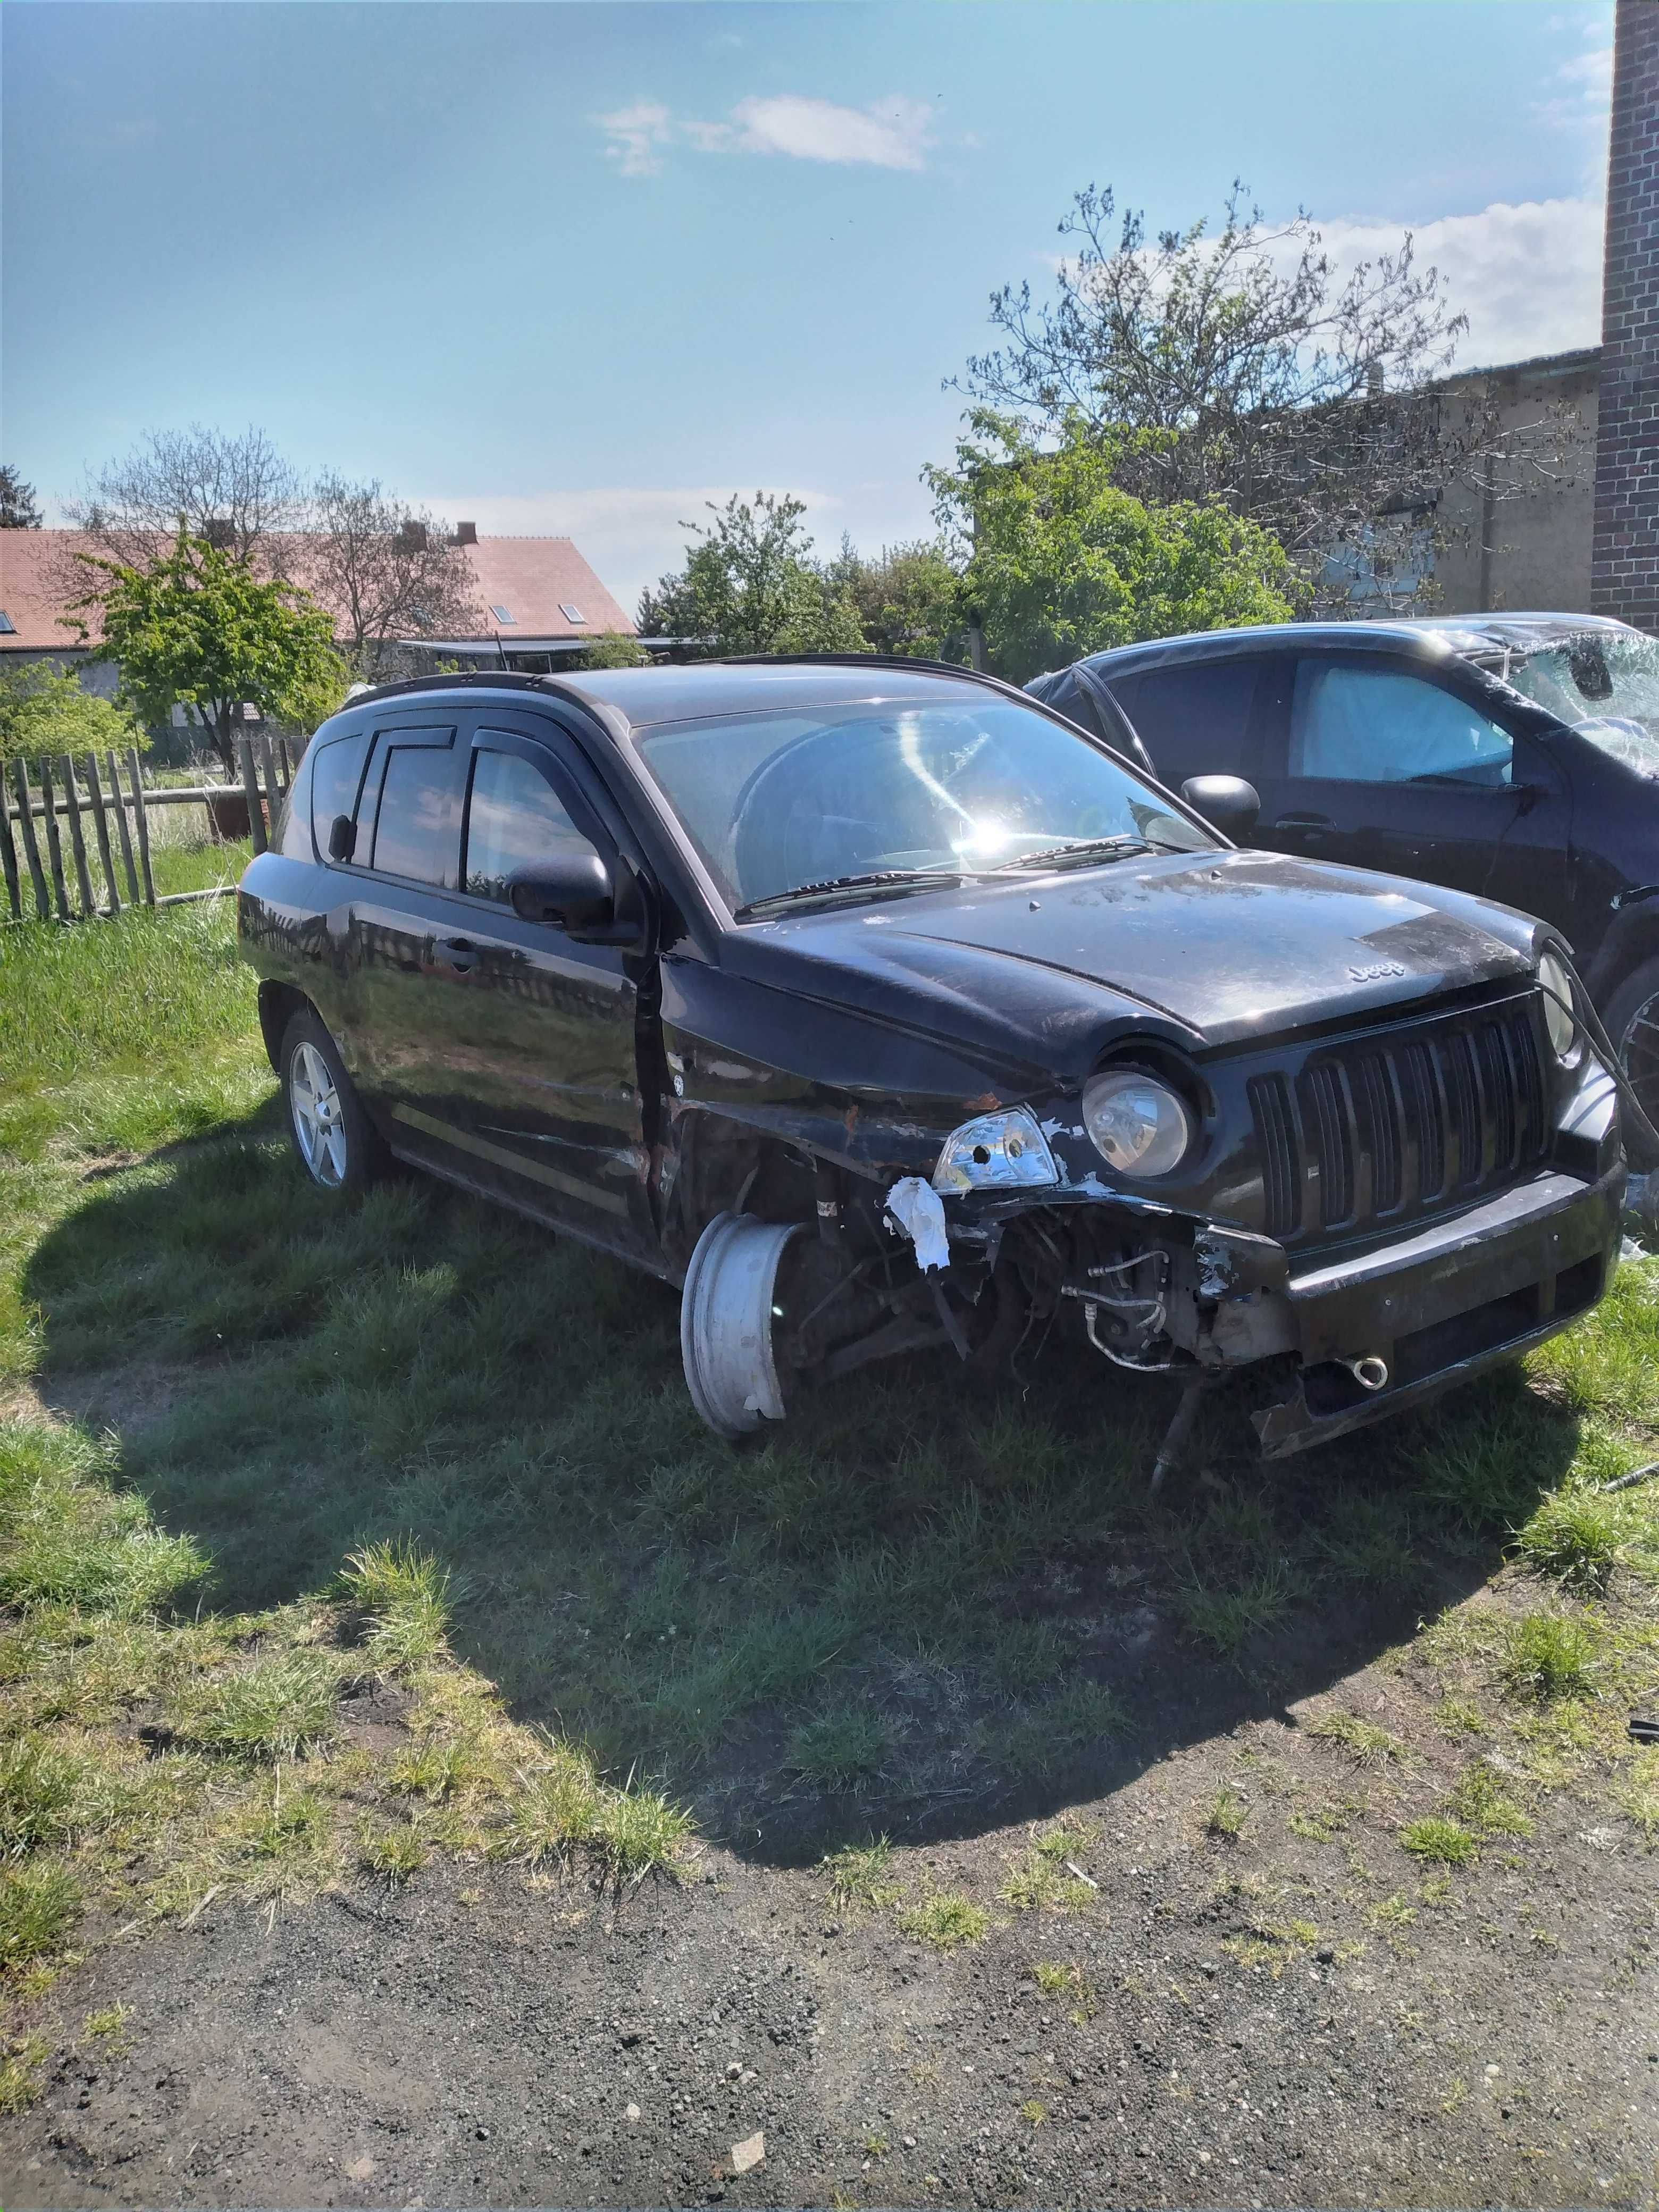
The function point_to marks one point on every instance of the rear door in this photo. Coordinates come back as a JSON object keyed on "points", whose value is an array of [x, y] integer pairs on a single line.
{"points": [[405, 859], [531, 1086], [1386, 766]]}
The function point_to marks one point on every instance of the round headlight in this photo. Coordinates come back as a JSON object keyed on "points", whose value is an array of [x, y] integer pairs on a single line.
{"points": [[1139, 1124], [1564, 1031]]}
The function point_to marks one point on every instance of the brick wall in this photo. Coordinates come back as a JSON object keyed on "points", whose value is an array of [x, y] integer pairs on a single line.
{"points": [[1624, 565]]}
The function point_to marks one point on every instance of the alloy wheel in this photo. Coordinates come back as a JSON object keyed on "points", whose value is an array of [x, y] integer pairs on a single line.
{"points": [[314, 1102], [1638, 1055]]}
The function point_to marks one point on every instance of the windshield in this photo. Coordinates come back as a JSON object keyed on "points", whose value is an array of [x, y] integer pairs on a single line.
{"points": [[1606, 684], [774, 802]]}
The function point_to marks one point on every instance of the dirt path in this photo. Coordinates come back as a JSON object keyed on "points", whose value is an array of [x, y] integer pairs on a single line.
{"points": [[1284, 2020]]}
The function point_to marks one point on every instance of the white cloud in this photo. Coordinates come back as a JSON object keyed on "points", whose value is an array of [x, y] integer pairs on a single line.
{"points": [[1527, 275], [895, 133], [1583, 94], [637, 136], [629, 535], [889, 134]]}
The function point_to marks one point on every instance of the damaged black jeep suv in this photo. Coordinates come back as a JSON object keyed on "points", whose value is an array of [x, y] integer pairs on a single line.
{"points": [[879, 1008]]}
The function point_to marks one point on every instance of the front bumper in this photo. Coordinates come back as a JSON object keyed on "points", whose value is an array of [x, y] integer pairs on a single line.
{"points": [[1444, 1304]]}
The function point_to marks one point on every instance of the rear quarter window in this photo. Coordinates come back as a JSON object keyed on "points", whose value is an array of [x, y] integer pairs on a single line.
{"points": [[336, 769]]}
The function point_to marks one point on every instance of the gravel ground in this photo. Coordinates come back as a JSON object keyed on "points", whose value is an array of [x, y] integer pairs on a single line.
{"points": [[481, 2037]]}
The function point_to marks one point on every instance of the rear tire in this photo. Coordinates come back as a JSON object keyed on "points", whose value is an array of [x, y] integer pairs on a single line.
{"points": [[336, 1143], [1631, 1021]]}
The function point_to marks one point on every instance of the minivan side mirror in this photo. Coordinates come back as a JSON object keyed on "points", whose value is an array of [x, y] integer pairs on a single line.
{"points": [[1227, 801], [342, 837], [571, 889]]}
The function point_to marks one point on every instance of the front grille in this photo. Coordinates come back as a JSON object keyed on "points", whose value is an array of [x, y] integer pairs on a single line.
{"points": [[1381, 1128]]}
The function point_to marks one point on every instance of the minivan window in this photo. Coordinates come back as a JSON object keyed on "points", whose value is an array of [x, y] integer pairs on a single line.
{"points": [[417, 831], [1199, 720], [514, 818], [337, 772], [1360, 724]]}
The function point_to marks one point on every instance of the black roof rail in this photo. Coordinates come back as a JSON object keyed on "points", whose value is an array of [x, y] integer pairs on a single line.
{"points": [[867, 660], [515, 680]]}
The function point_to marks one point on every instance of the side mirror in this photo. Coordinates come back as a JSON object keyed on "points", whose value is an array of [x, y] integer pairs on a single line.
{"points": [[1227, 801], [342, 837], [570, 889]]}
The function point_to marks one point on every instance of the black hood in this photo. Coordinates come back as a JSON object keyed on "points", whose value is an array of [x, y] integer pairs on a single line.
{"points": [[1210, 949]]}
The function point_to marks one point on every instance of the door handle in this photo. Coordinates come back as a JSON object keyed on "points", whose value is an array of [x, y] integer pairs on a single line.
{"points": [[458, 954], [1314, 822]]}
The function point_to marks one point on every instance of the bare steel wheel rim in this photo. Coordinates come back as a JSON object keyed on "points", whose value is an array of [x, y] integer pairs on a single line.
{"points": [[314, 1103]]}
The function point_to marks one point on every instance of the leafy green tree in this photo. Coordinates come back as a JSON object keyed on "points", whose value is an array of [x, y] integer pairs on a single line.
{"points": [[750, 585], [908, 598], [614, 649], [1063, 561], [19, 509], [45, 710], [196, 628], [1263, 374]]}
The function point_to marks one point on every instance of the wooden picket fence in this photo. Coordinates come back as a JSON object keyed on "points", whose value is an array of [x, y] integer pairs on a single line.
{"points": [[267, 770]]}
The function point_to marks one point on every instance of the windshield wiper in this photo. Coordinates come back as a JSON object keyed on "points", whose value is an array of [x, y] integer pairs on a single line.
{"points": [[1118, 847], [919, 879]]}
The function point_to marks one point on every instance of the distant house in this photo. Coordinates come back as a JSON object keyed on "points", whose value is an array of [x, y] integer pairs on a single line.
{"points": [[540, 604]]}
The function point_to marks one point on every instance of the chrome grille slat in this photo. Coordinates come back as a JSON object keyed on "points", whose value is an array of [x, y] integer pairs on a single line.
{"points": [[1391, 1125]]}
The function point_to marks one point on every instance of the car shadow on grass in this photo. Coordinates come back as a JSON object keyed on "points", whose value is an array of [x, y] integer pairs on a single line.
{"points": [[907, 1611]]}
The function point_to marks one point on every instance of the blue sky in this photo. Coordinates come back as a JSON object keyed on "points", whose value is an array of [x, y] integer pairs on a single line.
{"points": [[577, 267]]}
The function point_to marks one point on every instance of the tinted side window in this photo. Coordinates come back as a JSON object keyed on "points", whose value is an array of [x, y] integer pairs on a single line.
{"points": [[514, 818], [1198, 719], [1067, 696], [336, 771], [1365, 725], [417, 830]]}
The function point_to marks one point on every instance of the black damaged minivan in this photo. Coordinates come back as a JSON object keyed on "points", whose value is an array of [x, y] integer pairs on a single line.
{"points": [[879, 1007]]}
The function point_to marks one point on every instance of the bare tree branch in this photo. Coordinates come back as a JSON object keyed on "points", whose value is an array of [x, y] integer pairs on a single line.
{"points": [[1246, 369]]}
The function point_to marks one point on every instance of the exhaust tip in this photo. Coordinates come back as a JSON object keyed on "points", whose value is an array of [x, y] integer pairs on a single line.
{"points": [[1371, 1373]]}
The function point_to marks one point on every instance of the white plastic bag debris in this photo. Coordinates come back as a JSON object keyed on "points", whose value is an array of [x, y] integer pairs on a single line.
{"points": [[916, 1207]]}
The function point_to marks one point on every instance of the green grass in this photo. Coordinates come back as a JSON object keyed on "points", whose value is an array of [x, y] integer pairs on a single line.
{"points": [[1550, 1655], [860, 1876], [1227, 1815], [277, 1708], [1484, 1801], [843, 1747], [406, 1596], [946, 1920], [40, 1907], [1574, 1538], [39, 1788], [899, 1600], [1439, 1841], [1366, 1744]]}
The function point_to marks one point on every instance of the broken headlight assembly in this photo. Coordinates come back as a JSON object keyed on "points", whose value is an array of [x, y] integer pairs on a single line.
{"points": [[997, 1151], [1139, 1125]]}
